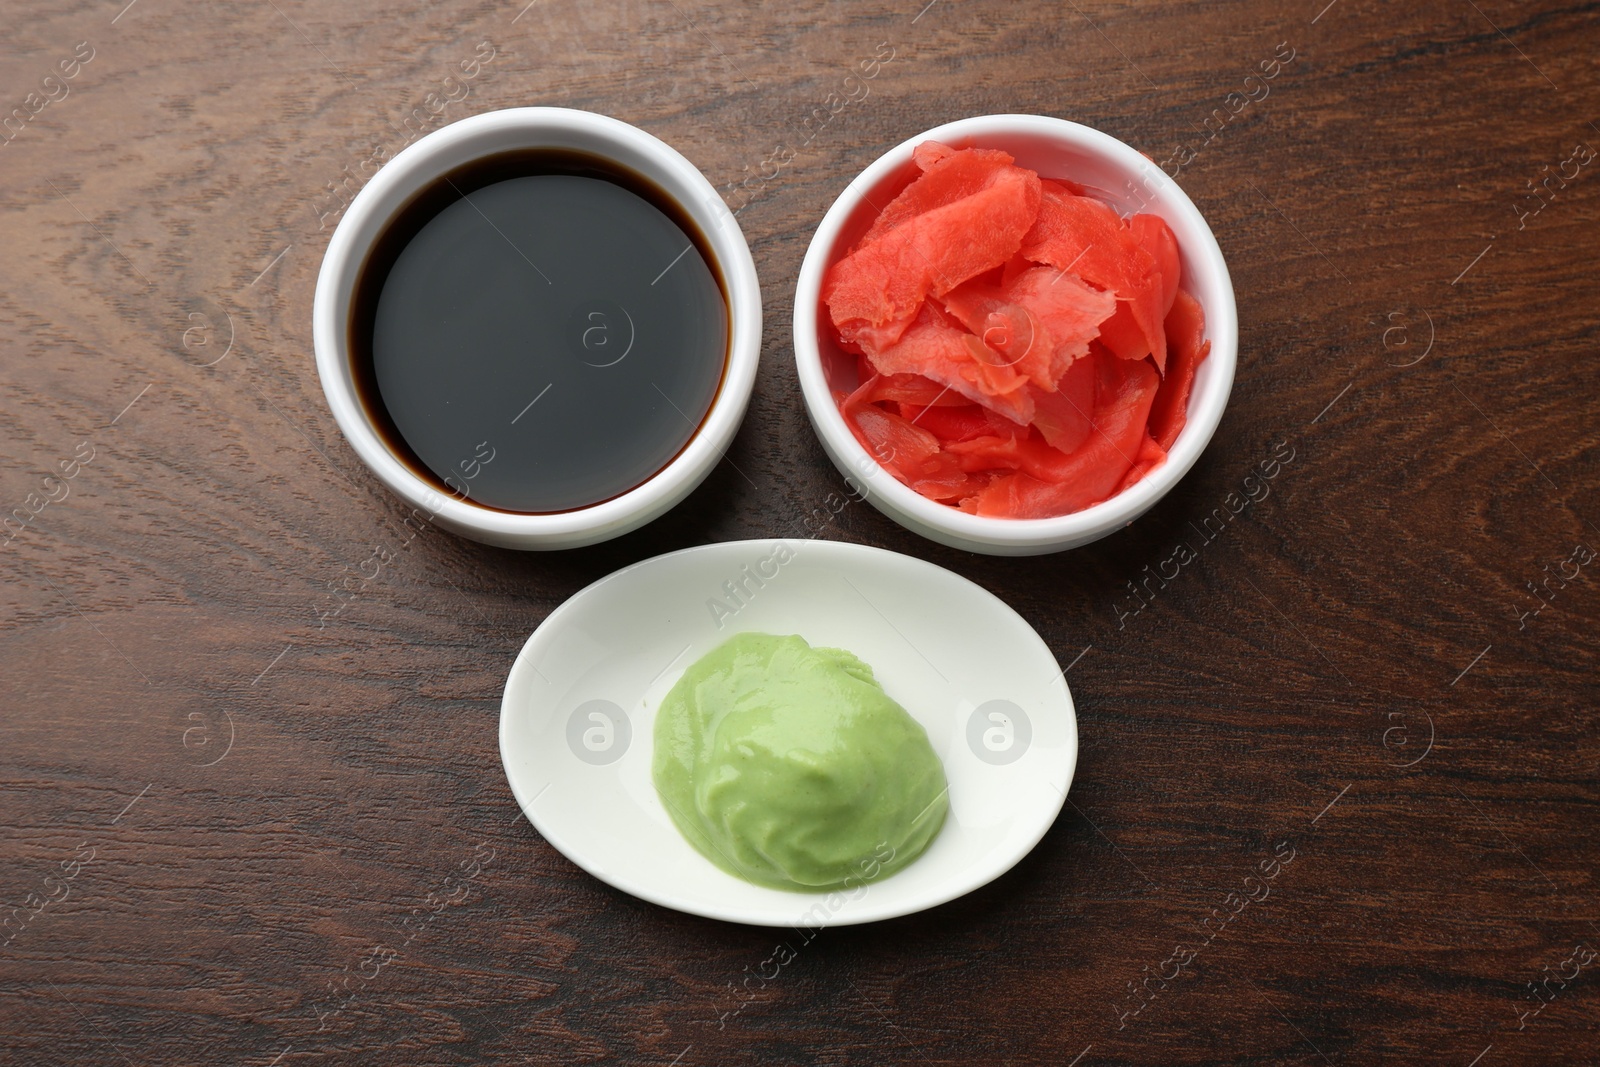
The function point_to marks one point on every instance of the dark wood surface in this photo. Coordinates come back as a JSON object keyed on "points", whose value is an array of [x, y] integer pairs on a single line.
{"points": [[248, 822]]}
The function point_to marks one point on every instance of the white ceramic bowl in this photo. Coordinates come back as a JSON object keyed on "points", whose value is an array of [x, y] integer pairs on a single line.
{"points": [[577, 722], [487, 134], [1055, 148]]}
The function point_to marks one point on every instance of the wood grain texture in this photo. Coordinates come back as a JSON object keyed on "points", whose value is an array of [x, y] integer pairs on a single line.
{"points": [[243, 795]]}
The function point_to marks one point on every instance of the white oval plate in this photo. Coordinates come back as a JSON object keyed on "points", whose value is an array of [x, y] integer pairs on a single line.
{"points": [[578, 716]]}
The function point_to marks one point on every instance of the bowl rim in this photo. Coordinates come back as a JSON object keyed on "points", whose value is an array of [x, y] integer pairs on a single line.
{"points": [[900, 501], [396, 181]]}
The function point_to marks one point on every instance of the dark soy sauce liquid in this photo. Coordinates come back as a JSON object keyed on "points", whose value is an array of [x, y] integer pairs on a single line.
{"points": [[539, 331]]}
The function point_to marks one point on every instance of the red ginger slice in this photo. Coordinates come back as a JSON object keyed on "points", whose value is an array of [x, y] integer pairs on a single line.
{"points": [[1084, 236], [1069, 309], [874, 293], [1040, 321], [1063, 416], [952, 485], [926, 154], [909, 390], [947, 176], [907, 451], [1151, 456], [1094, 470], [955, 358], [1156, 238], [1017, 337], [1185, 326], [963, 422], [899, 446]]}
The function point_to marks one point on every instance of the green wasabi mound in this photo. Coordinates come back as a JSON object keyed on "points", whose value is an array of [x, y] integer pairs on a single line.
{"points": [[789, 766]]}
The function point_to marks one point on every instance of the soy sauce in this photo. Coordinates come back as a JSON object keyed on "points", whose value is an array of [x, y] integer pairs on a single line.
{"points": [[539, 331]]}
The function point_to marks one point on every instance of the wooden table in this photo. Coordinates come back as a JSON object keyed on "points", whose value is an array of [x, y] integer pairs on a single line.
{"points": [[229, 795]]}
